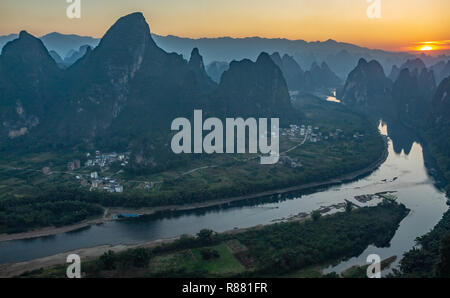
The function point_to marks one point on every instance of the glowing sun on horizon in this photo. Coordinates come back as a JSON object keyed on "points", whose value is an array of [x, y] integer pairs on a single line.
{"points": [[426, 48]]}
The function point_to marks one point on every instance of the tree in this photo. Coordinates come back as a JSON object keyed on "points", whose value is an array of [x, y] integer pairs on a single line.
{"points": [[208, 254], [185, 241], [348, 206], [443, 266], [141, 257], [316, 215], [107, 261], [205, 236]]}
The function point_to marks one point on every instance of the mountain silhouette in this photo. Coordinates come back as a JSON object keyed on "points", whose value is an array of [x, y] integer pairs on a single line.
{"points": [[292, 72], [28, 78], [412, 64], [366, 85], [441, 104], [253, 89], [124, 93], [298, 80]]}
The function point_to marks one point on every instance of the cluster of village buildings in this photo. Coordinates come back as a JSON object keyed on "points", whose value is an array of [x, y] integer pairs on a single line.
{"points": [[299, 133], [90, 177], [104, 183], [296, 132], [104, 159], [93, 180], [313, 134]]}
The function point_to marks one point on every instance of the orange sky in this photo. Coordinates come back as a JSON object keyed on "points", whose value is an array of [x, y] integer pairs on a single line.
{"points": [[403, 26]]}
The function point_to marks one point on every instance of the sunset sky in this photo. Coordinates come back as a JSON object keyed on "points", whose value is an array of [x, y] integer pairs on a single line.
{"points": [[405, 24]]}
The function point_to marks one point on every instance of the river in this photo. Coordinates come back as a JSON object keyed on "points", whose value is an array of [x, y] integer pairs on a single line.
{"points": [[404, 172]]}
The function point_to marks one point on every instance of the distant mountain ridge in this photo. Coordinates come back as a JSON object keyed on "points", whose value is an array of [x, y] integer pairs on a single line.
{"points": [[338, 56], [228, 49], [298, 80]]}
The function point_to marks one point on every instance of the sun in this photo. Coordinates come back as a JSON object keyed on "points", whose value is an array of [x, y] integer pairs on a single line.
{"points": [[426, 48]]}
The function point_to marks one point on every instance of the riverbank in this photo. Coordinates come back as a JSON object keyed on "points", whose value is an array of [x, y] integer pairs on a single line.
{"points": [[384, 216], [14, 269], [109, 212], [8, 270]]}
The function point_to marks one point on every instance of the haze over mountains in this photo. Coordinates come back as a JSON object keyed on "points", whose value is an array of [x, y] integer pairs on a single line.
{"points": [[298, 79], [339, 57]]}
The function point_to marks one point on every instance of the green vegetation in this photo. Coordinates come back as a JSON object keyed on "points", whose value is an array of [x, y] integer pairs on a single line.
{"points": [[316, 215], [193, 262], [21, 214], [284, 249], [437, 140], [287, 247], [431, 258], [225, 175], [136, 258], [236, 175]]}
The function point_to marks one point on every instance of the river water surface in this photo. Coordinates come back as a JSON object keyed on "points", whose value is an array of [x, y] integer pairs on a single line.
{"points": [[403, 172]]}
